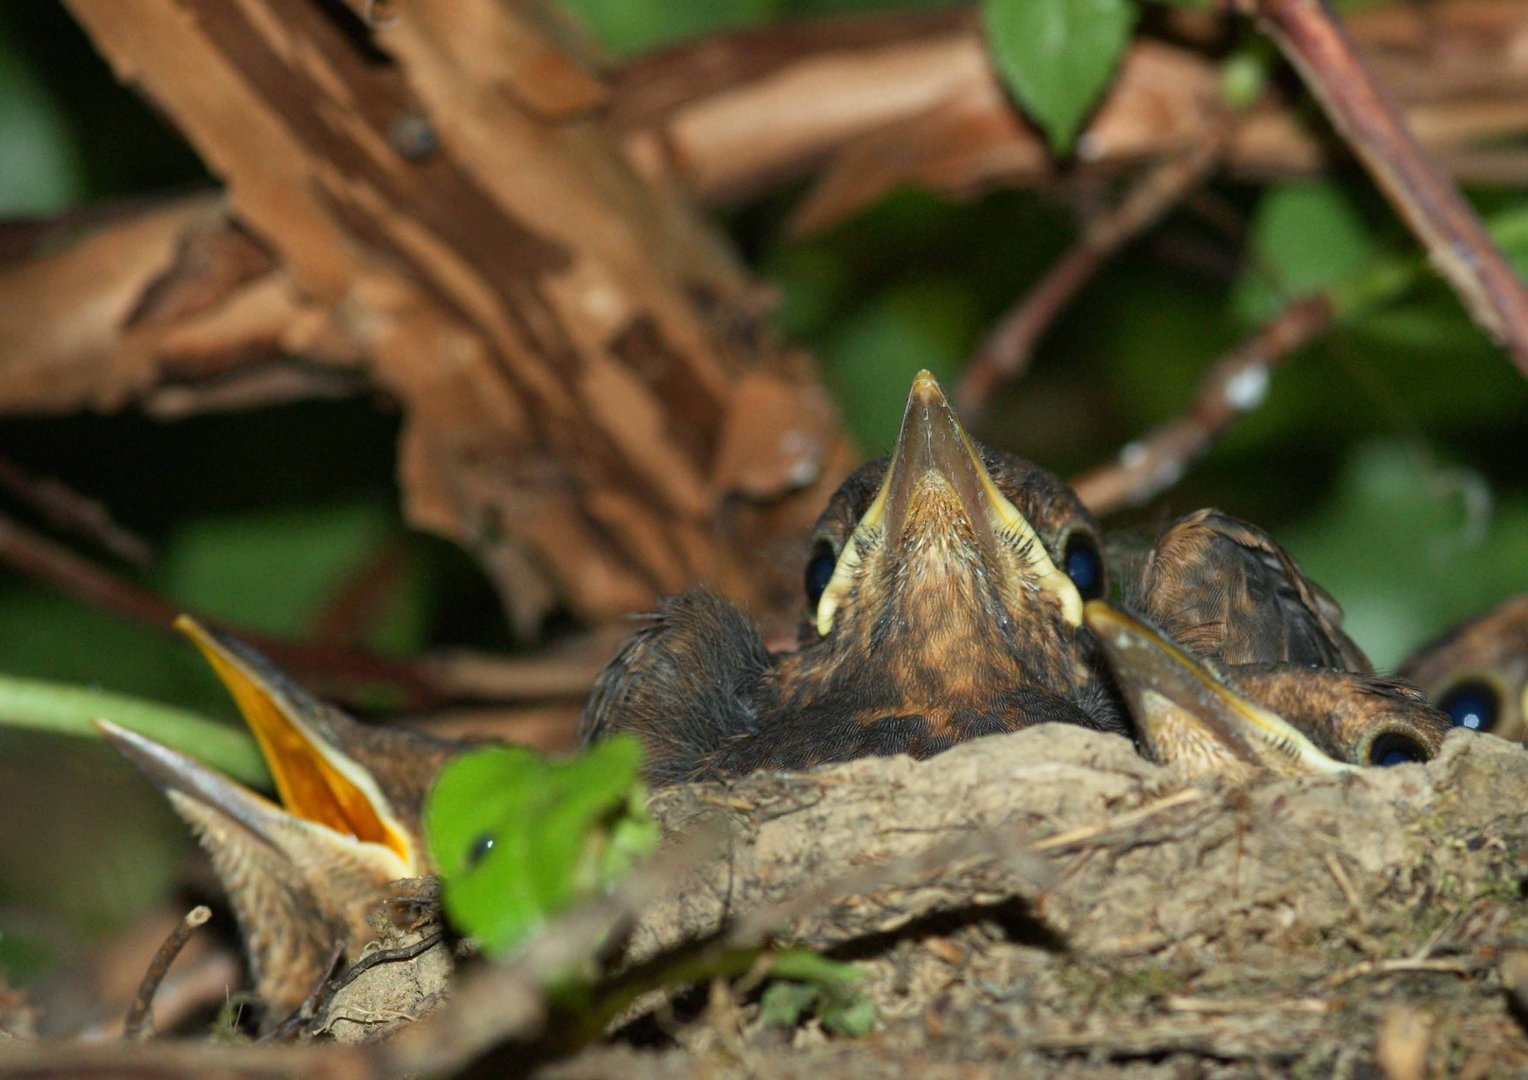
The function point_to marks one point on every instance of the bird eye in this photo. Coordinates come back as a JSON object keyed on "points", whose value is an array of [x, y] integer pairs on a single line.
{"points": [[1393, 748], [1084, 566], [819, 571], [1472, 705], [480, 847]]}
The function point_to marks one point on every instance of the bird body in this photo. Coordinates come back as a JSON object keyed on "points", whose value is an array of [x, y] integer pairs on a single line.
{"points": [[1239, 663], [946, 596], [939, 610]]}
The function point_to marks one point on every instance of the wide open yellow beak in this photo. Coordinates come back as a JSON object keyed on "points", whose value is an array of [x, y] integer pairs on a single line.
{"points": [[315, 779]]}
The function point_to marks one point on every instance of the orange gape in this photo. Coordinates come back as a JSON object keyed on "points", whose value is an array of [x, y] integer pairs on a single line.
{"points": [[309, 786]]}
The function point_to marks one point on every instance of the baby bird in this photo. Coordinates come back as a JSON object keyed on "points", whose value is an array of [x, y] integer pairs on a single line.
{"points": [[306, 874], [945, 592]]}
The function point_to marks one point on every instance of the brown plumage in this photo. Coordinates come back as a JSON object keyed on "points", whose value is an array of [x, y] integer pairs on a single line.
{"points": [[1477, 672], [1225, 590], [306, 875], [940, 608], [1241, 663], [1259, 718]]}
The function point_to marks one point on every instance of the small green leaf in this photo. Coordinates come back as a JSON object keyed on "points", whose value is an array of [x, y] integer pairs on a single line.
{"points": [[784, 1003], [848, 1014], [805, 982], [1057, 56], [519, 838], [1306, 236]]}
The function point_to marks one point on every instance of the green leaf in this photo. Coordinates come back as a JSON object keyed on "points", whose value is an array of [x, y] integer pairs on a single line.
{"points": [[804, 982], [1058, 55], [1305, 236], [850, 1014], [43, 172], [784, 1003], [1410, 546], [519, 838]]}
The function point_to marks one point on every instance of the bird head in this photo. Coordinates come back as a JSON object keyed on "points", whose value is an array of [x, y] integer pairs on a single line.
{"points": [[1274, 718], [1477, 672], [304, 872], [955, 560]]}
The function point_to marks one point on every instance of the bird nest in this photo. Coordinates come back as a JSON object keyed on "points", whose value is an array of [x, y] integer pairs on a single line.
{"points": [[1046, 902], [1050, 900]]}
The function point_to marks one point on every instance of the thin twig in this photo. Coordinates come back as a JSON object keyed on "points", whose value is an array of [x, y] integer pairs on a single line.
{"points": [[427, 680], [1127, 820], [305, 1012], [393, 955], [1235, 1006], [1236, 384], [1396, 966], [138, 1024], [1313, 39], [67, 509], [1006, 353]]}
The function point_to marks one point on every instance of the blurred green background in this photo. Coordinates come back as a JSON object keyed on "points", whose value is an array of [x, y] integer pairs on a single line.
{"points": [[1389, 458]]}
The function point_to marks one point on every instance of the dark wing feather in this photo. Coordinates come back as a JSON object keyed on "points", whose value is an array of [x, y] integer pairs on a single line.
{"points": [[685, 684], [1227, 591]]}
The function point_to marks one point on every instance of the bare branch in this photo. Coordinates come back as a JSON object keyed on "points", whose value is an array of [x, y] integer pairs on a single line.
{"points": [[1314, 40], [1006, 352], [336, 669], [1236, 383]]}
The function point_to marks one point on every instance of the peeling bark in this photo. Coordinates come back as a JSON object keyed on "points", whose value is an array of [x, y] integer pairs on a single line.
{"points": [[443, 212]]}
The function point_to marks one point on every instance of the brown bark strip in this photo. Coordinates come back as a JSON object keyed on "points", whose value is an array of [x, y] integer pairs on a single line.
{"points": [[437, 193], [885, 100], [1236, 384], [1313, 39]]}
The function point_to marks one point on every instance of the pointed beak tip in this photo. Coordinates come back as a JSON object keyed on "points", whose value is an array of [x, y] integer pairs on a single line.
{"points": [[926, 391]]}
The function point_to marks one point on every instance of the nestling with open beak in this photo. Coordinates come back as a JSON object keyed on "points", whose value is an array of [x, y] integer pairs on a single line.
{"points": [[944, 594], [1477, 672], [304, 876]]}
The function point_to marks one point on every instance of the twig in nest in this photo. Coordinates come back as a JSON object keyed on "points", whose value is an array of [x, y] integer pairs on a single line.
{"points": [[68, 509], [322, 990], [1396, 966], [1129, 819], [1313, 39], [137, 1025], [1237, 383], [428, 680], [393, 955], [1006, 353]]}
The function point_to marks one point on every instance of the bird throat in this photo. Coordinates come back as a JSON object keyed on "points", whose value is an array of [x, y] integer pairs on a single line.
{"points": [[952, 623]]}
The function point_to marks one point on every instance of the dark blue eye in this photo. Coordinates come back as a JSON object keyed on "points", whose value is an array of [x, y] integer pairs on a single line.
{"points": [[1472, 705], [1393, 748], [480, 847], [1085, 567], [818, 573]]}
